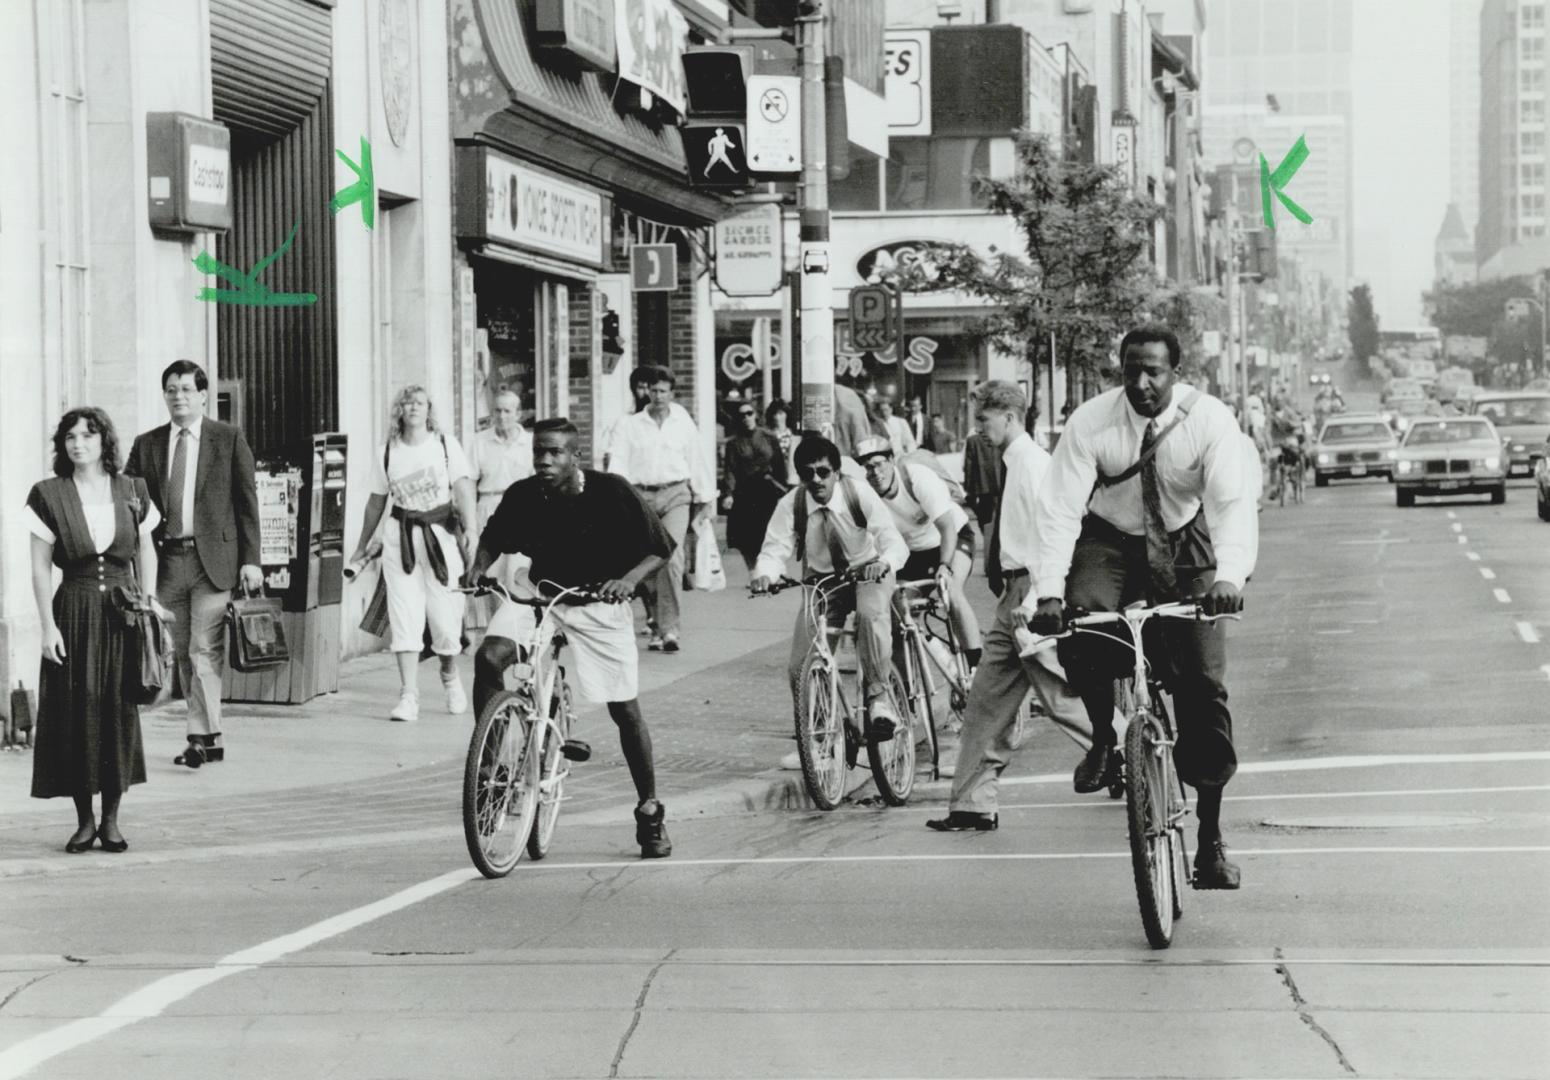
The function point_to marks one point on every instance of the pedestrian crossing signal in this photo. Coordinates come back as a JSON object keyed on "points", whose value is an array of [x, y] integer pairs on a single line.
{"points": [[716, 152]]}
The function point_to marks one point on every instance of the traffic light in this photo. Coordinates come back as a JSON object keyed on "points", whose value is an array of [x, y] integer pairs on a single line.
{"points": [[715, 130]]}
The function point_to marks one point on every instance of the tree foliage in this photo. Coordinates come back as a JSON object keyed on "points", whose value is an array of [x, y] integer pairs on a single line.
{"points": [[1476, 308], [1362, 324]]}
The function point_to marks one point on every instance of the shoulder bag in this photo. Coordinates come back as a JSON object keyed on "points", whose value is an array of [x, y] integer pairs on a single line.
{"points": [[255, 634]]}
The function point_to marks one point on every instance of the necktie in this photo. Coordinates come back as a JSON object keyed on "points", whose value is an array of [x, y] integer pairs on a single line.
{"points": [[175, 524], [1162, 585], [993, 547], [831, 537]]}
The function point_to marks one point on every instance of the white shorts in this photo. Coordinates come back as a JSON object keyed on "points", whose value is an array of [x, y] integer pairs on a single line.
{"points": [[604, 662], [417, 598]]}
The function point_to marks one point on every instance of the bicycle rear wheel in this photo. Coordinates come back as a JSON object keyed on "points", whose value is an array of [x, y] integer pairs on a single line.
{"points": [[1152, 858], [916, 674], [893, 762], [820, 734], [500, 785]]}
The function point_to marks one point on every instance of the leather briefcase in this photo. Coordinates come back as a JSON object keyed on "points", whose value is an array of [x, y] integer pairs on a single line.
{"points": [[255, 634]]}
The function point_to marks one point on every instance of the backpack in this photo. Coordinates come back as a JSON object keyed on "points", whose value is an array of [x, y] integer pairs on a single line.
{"points": [[799, 514], [930, 461]]}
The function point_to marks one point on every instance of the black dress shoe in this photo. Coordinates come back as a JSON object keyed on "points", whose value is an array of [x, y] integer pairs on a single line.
{"points": [[965, 821], [75, 846], [193, 755], [1093, 772], [1213, 870], [115, 846]]}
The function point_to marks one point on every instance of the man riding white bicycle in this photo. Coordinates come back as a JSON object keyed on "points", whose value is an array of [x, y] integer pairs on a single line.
{"points": [[833, 524], [580, 527], [1149, 498], [934, 527]]}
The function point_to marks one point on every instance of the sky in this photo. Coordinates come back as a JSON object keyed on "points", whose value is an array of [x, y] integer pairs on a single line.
{"points": [[1400, 101]]}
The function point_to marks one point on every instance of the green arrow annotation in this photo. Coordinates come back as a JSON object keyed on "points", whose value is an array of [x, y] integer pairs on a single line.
{"points": [[249, 290], [1272, 183], [363, 190]]}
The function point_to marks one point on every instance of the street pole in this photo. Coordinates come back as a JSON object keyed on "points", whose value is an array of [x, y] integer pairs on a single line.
{"points": [[813, 262]]}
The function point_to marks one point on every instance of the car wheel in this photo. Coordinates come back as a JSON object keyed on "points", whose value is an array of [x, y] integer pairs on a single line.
{"points": [[1320, 480], [1404, 498], [1499, 495], [1544, 506]]}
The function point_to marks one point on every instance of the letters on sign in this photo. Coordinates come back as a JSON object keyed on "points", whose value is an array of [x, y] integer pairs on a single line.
{"points": [[912, 264], [919, 358], [651, 35], [739, 363], [526, 207]]}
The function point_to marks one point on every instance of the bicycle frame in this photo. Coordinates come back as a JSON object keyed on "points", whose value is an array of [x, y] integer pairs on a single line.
{"points": [[938, 605], [815, 598]]}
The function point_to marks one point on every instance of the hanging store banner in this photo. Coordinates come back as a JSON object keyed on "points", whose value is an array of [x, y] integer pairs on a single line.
{"points": [[650, 37], [510, 203]]}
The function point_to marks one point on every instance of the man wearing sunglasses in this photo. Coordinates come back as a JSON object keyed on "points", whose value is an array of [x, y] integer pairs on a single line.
{"points": [[838, 525]]}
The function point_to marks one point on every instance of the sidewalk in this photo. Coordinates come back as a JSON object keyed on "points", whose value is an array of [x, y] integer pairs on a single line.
{"points": [[719, 711]]}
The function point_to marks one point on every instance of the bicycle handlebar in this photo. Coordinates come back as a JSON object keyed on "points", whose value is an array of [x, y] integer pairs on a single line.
{"points": [[583, 594], [1135, 616], [784, 582]]}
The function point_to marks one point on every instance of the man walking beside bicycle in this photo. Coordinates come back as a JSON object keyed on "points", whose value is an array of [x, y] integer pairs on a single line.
{"points": [[580, 528], [830, 525], [1149, 498]]}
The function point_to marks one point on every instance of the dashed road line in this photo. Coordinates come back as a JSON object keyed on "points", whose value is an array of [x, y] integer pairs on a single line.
{"points": [[1528, 634], [1458, 526], [1463, 539], [1502, 596], [1487, 573], [1472, 556]]}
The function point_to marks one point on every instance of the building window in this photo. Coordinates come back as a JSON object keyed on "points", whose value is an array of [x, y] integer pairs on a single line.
{"points": [[65, 217], [862, 189], [1532, 80], [1532, 50], [1533, 205], [1533, 174], [1531, 230], [1532, 16], [1532, 110], [1532, 143], [936, 174]]}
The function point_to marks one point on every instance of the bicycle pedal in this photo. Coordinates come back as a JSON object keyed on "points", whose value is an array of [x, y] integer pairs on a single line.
{"points": [[576, 750]]}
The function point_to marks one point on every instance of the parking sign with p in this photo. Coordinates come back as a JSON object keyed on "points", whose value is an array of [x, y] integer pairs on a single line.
{"points": [[872, 317]]}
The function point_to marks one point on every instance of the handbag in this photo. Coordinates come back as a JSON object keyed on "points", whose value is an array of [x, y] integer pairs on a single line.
{"points": [[150, 667], [707, 574], [255, 635]]}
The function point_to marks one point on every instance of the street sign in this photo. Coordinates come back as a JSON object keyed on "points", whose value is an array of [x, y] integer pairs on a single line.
{"points": [[715, 152], [748, 252], [873, 320], [653, 268], [907, 81], [775, 123]]}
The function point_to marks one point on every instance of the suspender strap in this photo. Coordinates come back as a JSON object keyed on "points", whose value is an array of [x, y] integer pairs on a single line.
{"points": [[1140, 462]]}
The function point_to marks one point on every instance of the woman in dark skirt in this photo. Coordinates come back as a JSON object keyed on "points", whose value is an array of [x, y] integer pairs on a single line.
{"points": [[756, 479], [92, 524]]}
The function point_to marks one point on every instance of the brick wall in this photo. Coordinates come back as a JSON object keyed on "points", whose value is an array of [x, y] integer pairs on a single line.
{"points": [[582, 330]]}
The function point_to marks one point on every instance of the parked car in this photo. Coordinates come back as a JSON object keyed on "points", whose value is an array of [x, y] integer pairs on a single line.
{"points": [[1353, 445], [1523, 419], [1542, 481], [1453, 456], [1402, 389]]}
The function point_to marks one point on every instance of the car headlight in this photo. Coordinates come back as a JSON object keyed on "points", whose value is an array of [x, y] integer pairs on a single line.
{"points": [[1518, 448], [1324, 459], [1405, 466], [1392, 454], [1492, 463]]}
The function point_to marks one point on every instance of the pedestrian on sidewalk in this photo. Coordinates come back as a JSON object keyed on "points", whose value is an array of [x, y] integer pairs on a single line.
{"points": [[580, 528], [900, 437], [981, 477], [499, 456], [756, 479], [777, 418], [658, 451], [94, 525], [1004, 678], [199, 473], [430, 540]]}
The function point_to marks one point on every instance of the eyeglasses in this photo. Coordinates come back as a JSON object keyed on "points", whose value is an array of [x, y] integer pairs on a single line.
{"points": [[815, 472], [746, 412], [875, 463]]}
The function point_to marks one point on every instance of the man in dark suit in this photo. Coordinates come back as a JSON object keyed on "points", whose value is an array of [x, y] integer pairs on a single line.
{"points": [[200, 475]]}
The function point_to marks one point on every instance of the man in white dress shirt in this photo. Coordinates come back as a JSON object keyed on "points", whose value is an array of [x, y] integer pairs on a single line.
{"points": [[1003, 679], [899, 434], [499, 456], [846, 527], [1149, 499], [658, 451]]}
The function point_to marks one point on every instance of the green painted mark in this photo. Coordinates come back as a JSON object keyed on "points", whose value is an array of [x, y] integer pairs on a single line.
{"points": [[363, 190], [1272, 183], [249, 291]]}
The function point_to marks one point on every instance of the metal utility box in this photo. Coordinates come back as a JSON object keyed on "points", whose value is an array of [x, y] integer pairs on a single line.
{"points": [[188, 173]]}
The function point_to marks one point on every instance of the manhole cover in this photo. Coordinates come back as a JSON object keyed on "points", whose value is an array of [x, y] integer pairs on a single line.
{"points": [[1375, 821]]}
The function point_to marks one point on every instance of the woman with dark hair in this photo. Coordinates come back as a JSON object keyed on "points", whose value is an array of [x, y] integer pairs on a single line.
{"points": [[91, 523], [777, 420], [756, 479]]}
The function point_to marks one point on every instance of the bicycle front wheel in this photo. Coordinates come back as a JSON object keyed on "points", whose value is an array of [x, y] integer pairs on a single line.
{"points": [[893, 762], [1152, 859], [820, 734], [500, 785]]}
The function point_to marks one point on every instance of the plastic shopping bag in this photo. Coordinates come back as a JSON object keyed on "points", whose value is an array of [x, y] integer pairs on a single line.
{"points": [[706, 573]]}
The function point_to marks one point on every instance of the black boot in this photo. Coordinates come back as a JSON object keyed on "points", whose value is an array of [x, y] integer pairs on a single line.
{"points": [[1213, 870], [651, 831]]}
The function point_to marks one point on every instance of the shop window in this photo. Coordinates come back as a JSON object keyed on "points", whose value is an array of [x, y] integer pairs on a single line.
{"points": [[936, 174], [508, 315], [862, 189]]}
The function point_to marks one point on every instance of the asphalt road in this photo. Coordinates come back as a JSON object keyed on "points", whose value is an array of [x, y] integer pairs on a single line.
{"points": [[1390, 693]]}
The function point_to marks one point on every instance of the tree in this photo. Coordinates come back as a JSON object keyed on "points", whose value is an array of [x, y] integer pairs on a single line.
{"points": [[1362, 324], [1476, 308], [1084, 273]]}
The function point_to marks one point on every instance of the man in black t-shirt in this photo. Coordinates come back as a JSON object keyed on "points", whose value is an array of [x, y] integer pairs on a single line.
{"points": [[580, 528]]}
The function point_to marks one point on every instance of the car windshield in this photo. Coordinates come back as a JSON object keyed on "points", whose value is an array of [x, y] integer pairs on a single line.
{"points": [[1515, 410], [1366, 432], [1447, 432], [1411, 407]]}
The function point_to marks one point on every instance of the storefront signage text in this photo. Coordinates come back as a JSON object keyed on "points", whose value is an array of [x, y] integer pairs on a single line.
{"points": [[209, 174], [919, 358], [534, 210], [748, 252], [651, 35], [583, 28], [911, 264], [739, 362]]}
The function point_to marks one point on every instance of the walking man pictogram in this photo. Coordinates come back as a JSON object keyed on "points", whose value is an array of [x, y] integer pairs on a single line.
{"points": [[718, 146]]}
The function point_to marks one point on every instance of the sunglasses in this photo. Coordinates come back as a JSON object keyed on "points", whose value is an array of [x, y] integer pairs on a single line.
{"points": [[816, 472], [746, 412]]}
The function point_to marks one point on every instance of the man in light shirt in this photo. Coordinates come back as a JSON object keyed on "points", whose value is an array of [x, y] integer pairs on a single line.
{"points": [[847, 527], [658, 451], [1004, 678], [899, 434], [499, 456], [1149, 499]]}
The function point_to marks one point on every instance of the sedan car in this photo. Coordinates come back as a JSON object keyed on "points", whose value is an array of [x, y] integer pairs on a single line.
{"points": [[1453, 456], [1523, 419], [1542, 481], [1353, 446], [1402, 412]]}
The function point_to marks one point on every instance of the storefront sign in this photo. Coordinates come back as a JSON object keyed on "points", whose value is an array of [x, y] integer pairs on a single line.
{"points": [[775, 123], [919, 358], [1124, 143], [527, 208], [654, 267], [748, 252], [209, 175], [583, 28], [651, 36], [912, 264], [908, 82], [740, 361]]}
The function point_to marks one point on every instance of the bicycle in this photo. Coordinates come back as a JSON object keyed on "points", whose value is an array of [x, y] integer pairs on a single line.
{"points": [[1155, 804], [925, 619], [1293, 474], [520, 752], [828, 718]]}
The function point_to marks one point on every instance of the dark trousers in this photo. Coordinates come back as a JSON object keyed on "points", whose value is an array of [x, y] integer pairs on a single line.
{"points": [[1108, 572]]}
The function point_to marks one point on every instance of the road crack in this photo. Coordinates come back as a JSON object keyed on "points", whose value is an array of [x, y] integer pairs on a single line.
{"points": [[29, 983], [1305, 1014], [640, 1004]]}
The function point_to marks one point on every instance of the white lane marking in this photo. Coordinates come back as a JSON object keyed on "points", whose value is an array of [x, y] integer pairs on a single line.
{"points": [[1487, 573], [1501, 596], [1463, 539], [1273, 797], [1471, 556], [1348, 761], [1545, 668], [154, 998], [1336, 631], [1527, 633], [1452, 514], [1458, 526]]}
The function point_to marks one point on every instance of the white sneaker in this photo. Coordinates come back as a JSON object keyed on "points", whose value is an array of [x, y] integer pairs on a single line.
{"points": [[457, 700], [408, 707]]}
